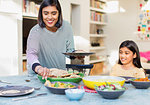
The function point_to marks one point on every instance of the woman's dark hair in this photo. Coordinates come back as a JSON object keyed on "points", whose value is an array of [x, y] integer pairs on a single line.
{"points": [[46, 3], [132, 46]]}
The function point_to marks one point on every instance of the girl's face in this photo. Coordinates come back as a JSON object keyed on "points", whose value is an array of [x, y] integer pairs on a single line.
{"points": [[126, 56], [50, 16]]}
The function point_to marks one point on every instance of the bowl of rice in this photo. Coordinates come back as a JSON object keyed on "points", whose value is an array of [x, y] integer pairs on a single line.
{"points": [[91, 81]]}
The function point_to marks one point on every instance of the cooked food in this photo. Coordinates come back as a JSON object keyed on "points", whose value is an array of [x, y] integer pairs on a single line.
{"points": [[142, 79], [47, 83], [55, 73], [59, 84], [10, 92]]}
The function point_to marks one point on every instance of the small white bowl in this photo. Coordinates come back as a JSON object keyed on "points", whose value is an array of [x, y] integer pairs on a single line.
{"points": [[74, 94]]}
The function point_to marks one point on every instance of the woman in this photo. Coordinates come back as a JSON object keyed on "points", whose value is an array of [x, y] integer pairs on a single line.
{"points": [[129, 61], [49, 39]]}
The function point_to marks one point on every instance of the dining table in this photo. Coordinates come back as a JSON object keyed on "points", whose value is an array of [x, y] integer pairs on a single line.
{"points": [[132, 96]]}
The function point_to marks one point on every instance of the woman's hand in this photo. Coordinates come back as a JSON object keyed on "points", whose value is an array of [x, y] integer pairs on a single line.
{"points": [[43, 71]]}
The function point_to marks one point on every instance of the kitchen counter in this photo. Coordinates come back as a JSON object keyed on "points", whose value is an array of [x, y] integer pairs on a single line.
{"points": [[132, 96]]}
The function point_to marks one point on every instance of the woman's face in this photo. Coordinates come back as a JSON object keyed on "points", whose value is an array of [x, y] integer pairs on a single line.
{"points": [[50, 16], [126, 56]]}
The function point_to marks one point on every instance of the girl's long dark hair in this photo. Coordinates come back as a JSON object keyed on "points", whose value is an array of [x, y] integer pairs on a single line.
{"points": [[132, 46], [46, 3]]}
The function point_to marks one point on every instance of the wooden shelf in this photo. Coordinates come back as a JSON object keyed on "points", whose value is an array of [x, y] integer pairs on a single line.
{"points": [[99, 60], [97, 35], [103, 1], [97, 9], [97, 48], [24, 57], [97, 22], [30, 16]]}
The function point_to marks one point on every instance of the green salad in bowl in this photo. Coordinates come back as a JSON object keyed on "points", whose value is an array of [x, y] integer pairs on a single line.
{"points": [[110, 87], [110, 91]]}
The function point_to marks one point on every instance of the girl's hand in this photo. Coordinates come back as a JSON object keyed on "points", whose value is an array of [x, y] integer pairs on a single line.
{"points": [[43, 71]]}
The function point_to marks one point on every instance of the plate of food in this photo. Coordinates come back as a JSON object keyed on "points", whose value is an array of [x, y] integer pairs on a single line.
{"points": [[62, 75], [59, 87], [141, 83], [15, 90]]}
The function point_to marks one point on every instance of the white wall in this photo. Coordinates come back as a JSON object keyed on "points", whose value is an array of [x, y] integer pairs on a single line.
{"points": [[122, 26], [9, 17], [84, 15]]}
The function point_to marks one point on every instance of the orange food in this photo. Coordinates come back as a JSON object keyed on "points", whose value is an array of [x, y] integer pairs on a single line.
{"points": [[142, 79], [58, 84]]}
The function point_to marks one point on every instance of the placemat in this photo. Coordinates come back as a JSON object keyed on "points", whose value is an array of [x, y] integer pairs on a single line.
{"points": [[87, 89]]}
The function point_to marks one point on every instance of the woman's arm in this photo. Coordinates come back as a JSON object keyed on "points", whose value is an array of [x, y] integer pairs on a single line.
{"points": [[32, 47], [32, 57]]}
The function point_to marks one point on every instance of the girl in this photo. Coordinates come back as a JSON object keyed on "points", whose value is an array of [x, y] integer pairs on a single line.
{"points": [[129, 61]]}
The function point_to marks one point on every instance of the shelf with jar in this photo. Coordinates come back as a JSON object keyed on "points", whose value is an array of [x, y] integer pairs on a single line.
{"points": [[97, 40]]}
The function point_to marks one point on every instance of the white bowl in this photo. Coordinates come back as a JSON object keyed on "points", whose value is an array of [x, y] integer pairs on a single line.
{"points": [[74, 94]]}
